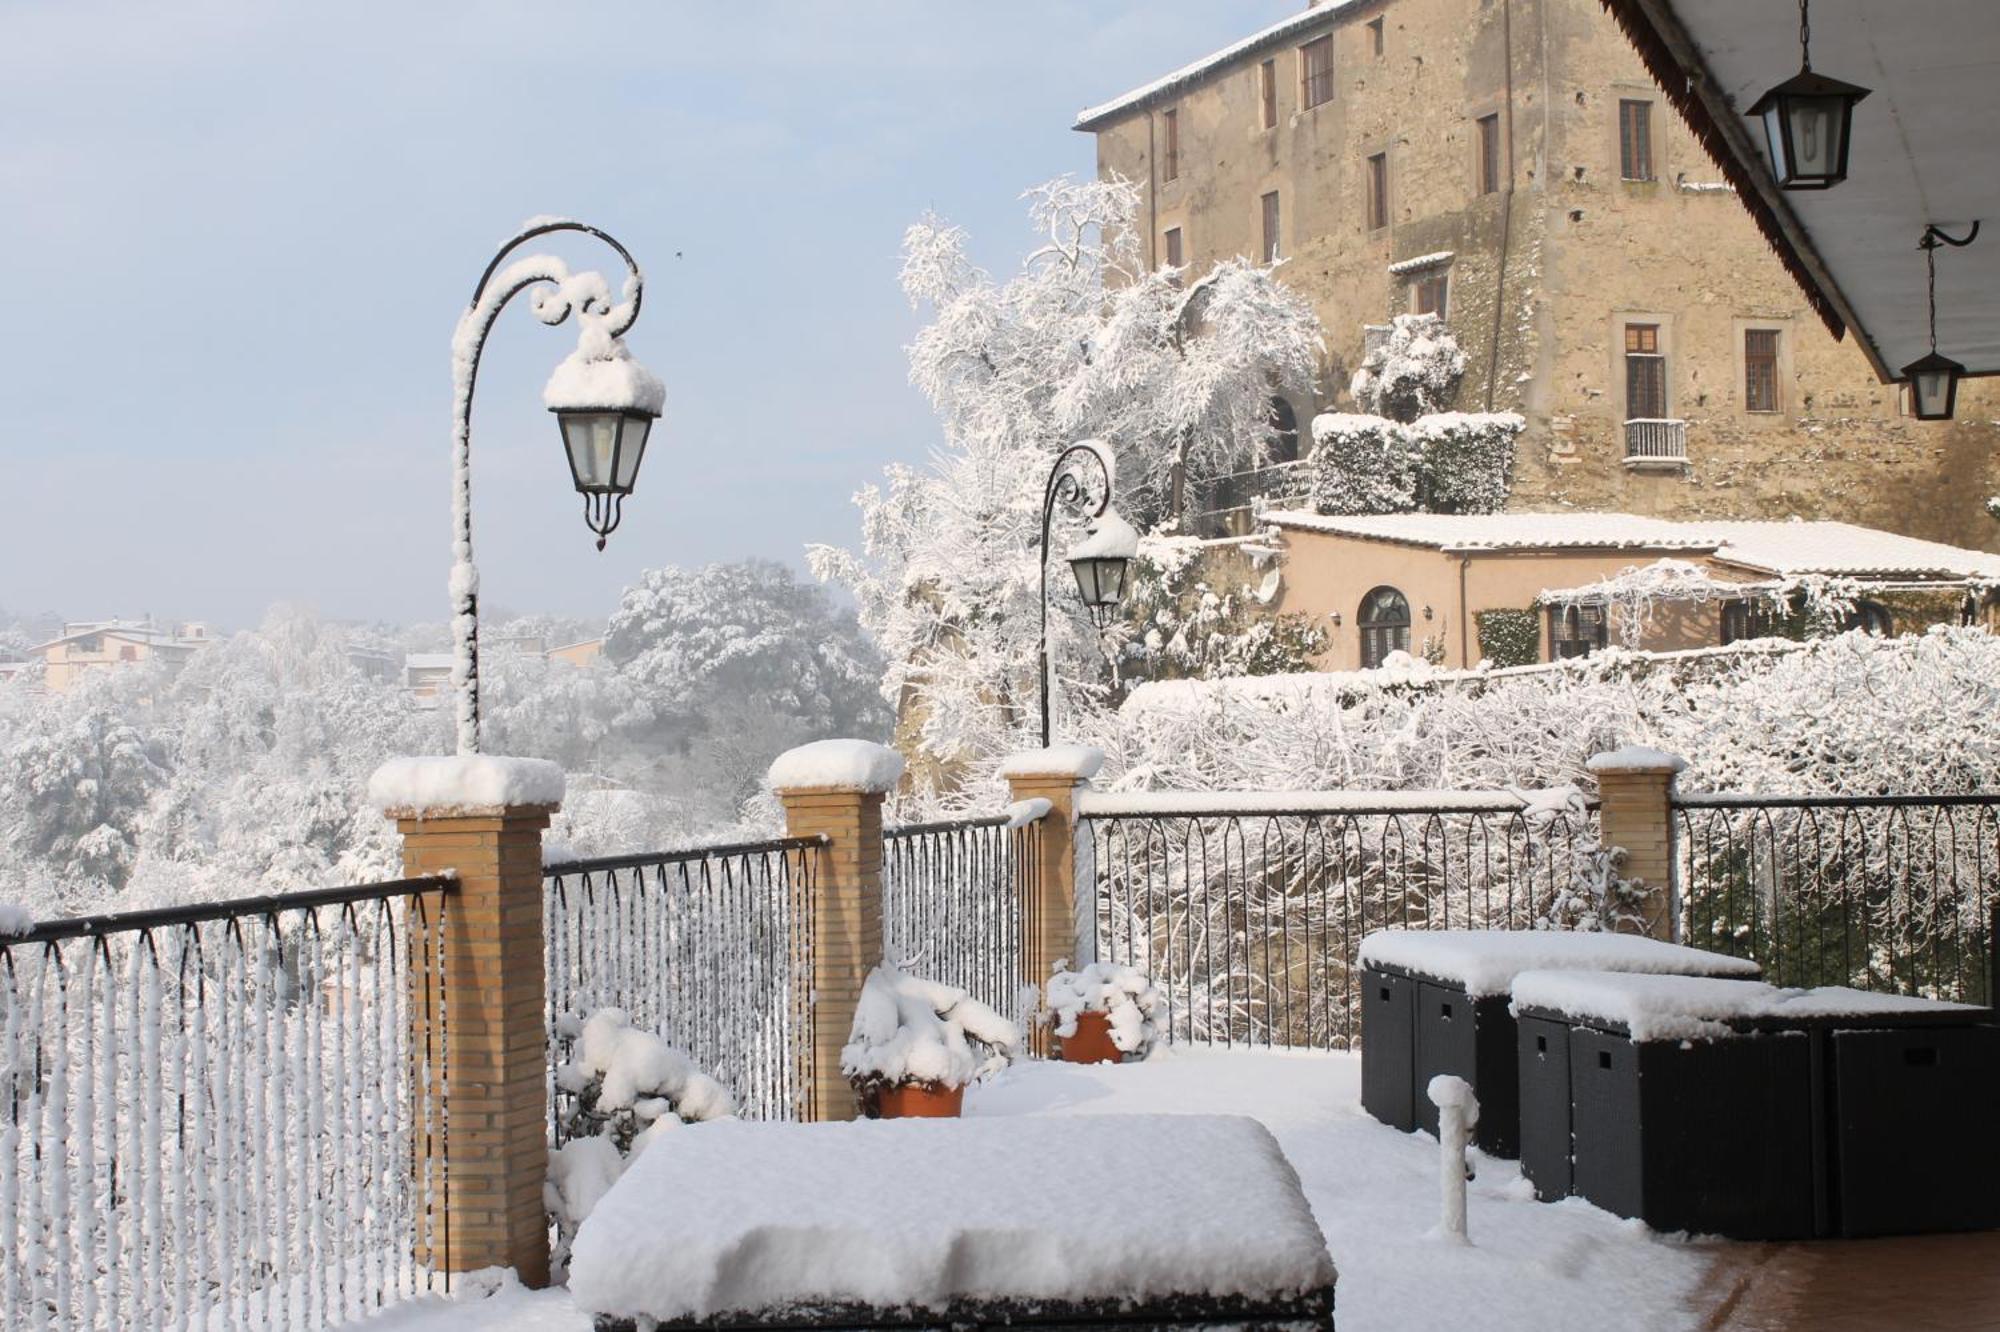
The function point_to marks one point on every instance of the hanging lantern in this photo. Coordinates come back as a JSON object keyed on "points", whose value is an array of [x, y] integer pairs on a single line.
{"points": [[1808, 122], [1933, 378], [606, 406], [1101, 562]]}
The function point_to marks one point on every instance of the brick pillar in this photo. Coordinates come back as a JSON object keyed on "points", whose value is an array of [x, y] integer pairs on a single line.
{"points": [[1058, 888], [833, 790], [476, 1007], [1635, 786]]}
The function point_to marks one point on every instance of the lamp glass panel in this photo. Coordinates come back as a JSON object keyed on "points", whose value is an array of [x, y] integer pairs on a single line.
{"points": [[1817, 123], [1774, 136], [1100, 582], [1933, 390], [592, 440], [632, 449]]}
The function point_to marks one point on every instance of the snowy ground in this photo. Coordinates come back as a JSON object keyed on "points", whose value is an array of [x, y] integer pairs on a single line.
{"points": [[1374, 1191]]}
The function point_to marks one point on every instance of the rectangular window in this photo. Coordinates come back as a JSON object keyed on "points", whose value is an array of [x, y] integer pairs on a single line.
{"points": [[1760, 370], [1170, 162], [1635, 139], [1645, 374], [1174, 258], [1378, 191], [1271, 227], [1429, 294], [1267, 92], [1489, 153], [1316, 71], [1576, 631], [1375, 36]]}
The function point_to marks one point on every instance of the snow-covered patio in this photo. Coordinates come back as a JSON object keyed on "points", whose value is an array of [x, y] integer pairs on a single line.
{"points": [[1373, 1191]]}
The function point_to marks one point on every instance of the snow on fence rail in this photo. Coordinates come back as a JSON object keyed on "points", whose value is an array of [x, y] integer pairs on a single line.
{"points": [[209, 1115], [701, 946], [951, 901], [1892, 893], [1248, 908]]}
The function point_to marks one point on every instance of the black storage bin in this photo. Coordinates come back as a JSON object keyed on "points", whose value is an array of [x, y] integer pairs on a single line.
{"points": [[1543, 1067], [1712, 1136], [1472, 1039], [1389, 1047], [1913, 1148]]}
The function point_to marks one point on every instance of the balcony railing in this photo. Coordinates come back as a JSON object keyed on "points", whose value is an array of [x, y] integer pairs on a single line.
{"points": [[1653, 441]]}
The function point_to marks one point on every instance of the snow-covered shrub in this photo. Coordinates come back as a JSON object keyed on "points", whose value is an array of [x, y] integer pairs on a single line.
{"points": [[1509, 637], [1449, 462], [1361, 464], [909, 1030], [1413, 371], [1465, 460], [1200, 609], [1134, 1007]]}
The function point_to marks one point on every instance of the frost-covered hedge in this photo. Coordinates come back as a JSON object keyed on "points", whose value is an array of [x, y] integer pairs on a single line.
{"points": [[1449, 462], [1510, 637]]}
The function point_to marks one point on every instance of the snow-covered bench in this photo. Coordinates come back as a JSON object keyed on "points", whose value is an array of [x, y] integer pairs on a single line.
{"points": [[1173, 1220], [1739, 1108], [1435, 1001]]}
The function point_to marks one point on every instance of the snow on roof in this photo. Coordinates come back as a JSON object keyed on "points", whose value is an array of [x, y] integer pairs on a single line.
{"points": [[1504, 531], [429, 661], [1777, 547], [764, 1218], [1091, 117], [1402, 266], [1680, 1008], [1486, 962]]}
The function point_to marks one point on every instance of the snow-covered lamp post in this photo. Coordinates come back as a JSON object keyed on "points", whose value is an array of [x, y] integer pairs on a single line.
{"points": [[1101, 560], [605, 403]]}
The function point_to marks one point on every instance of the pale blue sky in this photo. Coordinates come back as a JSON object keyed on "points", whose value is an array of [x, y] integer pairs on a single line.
{"points": [[238, 234]]}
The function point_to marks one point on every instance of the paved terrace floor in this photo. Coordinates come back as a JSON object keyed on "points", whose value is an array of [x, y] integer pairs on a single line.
{"points": [[1932, 1281]]}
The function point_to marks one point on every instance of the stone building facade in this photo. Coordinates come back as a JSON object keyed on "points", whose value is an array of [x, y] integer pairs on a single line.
{"points": [[1514, 162]]}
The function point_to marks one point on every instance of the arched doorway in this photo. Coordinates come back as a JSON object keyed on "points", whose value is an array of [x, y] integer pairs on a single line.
{"points": [[1385, 626]]}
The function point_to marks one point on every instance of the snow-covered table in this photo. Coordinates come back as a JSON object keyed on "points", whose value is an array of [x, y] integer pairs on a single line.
{"points": [[1170, 1220], [1739, 1108], [1436, 1001]]}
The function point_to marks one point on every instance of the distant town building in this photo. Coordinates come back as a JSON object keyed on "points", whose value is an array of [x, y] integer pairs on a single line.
{"points": [[1512, 166], [580, 653], [86, 645]]}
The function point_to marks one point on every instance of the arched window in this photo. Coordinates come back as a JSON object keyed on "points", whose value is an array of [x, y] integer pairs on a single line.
{"points": [[1872, 616], [1385, 626], [1284, 432]]}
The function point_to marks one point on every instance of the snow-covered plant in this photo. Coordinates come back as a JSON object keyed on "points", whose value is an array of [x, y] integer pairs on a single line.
{"points": [[910, 1030], [1634, 593], [1509, 637], [1412, 371], [1134, 1007], [1192, 611], [1362, 464], [1174, 371], [1448, 462]]}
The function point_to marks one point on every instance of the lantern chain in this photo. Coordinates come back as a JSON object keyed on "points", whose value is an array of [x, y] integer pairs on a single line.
{"points": [[1805, 34]]}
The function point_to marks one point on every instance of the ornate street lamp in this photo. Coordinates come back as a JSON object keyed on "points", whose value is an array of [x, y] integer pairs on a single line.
{"points": [[1808, 121], [604, 401], [1102, 560], [1933, 378]]}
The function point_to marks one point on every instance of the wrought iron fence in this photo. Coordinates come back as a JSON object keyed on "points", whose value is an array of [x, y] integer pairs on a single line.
{"points": [[951, 903], [1249, 913], [1879, 892], [700, 946], [212, 1117]]}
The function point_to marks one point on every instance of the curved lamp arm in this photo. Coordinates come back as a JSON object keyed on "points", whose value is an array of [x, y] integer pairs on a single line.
{"points": [[601, 321], [1069, 486]]}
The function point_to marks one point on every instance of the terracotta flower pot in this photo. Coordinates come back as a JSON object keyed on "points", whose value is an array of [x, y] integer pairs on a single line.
{"points": [[919, 1100], [1092, 1043]]}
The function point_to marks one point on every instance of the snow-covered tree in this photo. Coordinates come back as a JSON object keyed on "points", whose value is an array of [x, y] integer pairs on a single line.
{"points": [[1413, 370], [1083, 342]]}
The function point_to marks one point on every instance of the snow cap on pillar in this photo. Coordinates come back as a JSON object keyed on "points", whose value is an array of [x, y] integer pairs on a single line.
{"points": [[836, 765], [441, 787], [1077, 762], [1636, 758]]}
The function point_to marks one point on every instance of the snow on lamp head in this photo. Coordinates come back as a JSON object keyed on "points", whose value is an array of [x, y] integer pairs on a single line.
{"points": [[1101, 560], [605, 403]]}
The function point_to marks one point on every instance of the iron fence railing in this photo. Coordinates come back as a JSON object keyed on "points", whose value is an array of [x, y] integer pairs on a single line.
{"points": [[705, 947], [1248, 911], [1878, 892], [213, 1117], [951, 904]]}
